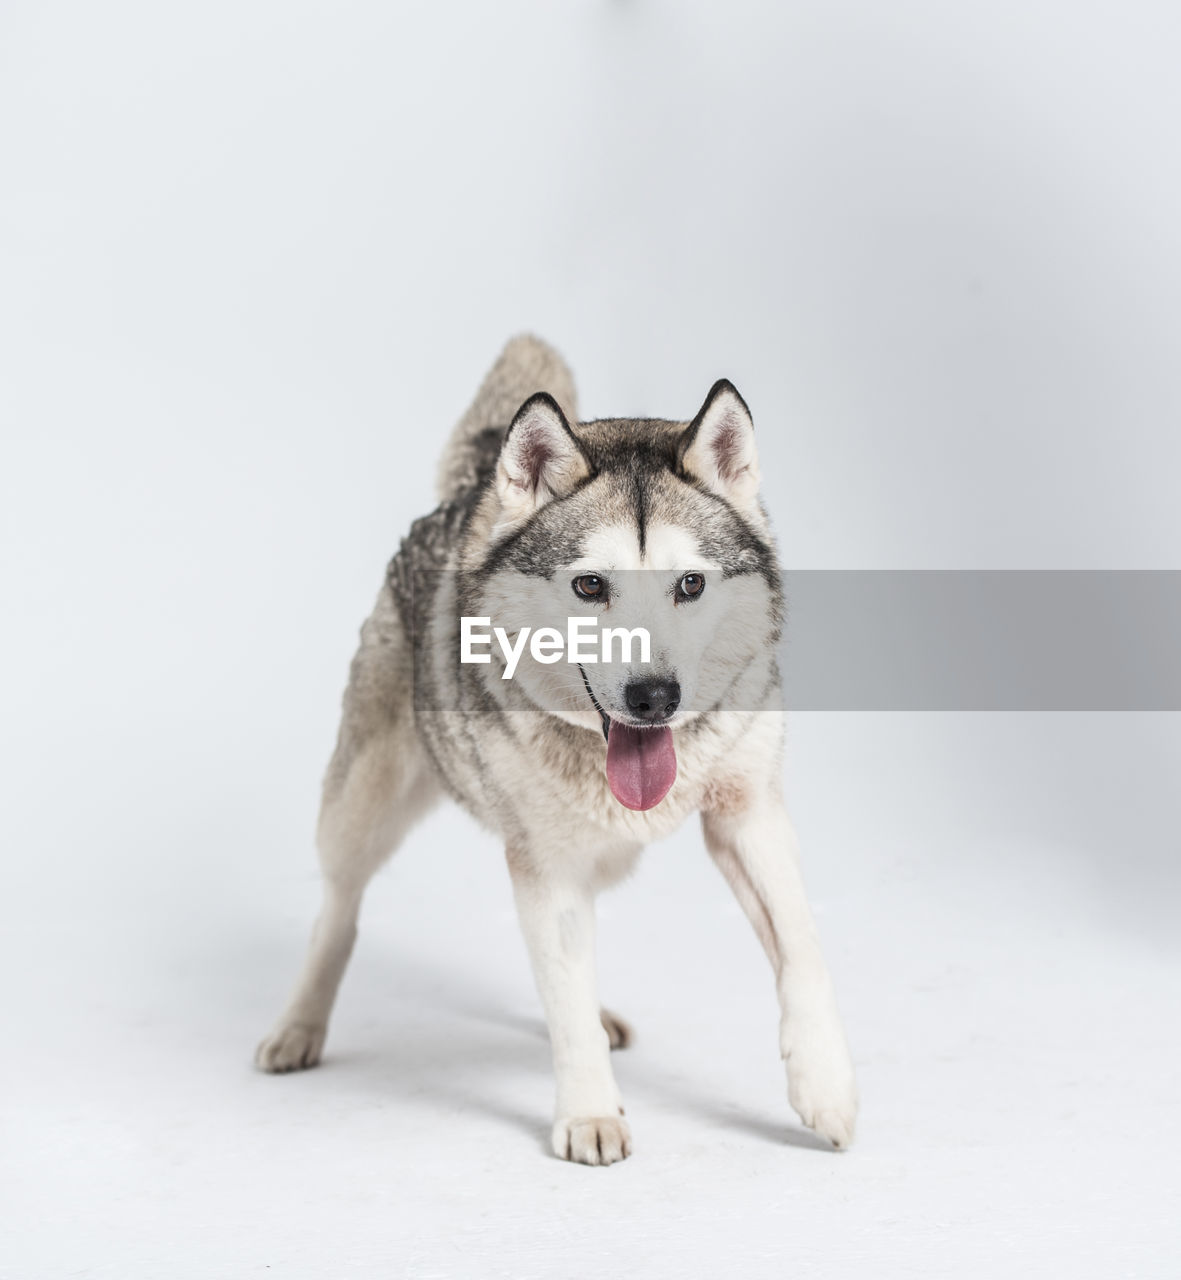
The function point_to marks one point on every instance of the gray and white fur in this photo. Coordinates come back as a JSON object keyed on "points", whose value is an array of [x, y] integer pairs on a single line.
{"points": [[534, 503]]}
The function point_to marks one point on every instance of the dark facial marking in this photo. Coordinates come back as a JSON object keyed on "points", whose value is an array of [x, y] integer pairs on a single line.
{"points": [[638, 490]]}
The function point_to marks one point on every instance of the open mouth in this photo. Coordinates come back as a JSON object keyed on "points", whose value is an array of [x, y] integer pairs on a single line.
{"points": [[641, 763]]}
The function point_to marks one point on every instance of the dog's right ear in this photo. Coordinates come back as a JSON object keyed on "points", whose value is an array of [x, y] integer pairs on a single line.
{"points": [[718, 447], [540, 460]]}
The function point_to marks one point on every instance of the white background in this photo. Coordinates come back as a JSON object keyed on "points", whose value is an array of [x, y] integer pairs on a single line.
{"points": [[254, 258]]}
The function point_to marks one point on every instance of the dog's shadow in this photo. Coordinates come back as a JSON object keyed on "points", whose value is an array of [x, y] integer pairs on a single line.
{"points": [[446, 1039]]}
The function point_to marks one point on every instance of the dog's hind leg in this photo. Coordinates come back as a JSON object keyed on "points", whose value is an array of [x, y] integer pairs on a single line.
{"points": [[378, 784], [619, 1033]]}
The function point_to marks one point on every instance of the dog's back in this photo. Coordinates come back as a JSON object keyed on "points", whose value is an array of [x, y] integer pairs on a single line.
{"points": [[525, 366]]}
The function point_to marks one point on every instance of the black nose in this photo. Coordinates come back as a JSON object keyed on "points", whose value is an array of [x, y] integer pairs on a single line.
{"points": [[652, 699]]}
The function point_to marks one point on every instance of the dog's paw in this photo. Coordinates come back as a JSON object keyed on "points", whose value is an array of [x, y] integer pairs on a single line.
{"points": [[593, 1140], [822, 1088], [290, 1047], [619, 1033]]}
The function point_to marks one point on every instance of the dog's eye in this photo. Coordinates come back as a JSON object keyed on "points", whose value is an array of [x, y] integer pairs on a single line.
{"points": [[590, 587], [691, 586]]}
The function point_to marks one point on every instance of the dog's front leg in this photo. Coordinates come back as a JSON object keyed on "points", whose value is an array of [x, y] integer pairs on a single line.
{"points": [[757, 852], [558, 919]]}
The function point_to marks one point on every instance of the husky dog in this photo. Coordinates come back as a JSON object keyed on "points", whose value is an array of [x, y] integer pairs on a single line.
{"points": [[647, 523]]}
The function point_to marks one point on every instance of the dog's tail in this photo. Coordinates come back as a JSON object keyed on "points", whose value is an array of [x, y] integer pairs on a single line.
{"points": [[526, 365]]}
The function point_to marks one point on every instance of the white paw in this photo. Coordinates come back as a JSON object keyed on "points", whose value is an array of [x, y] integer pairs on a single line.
{"points": [[592, 1140], [290, 1047], [821, 1085]]}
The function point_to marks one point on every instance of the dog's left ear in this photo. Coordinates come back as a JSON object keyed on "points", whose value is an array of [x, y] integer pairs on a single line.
{"points": [[718, 447], [540, 459]]}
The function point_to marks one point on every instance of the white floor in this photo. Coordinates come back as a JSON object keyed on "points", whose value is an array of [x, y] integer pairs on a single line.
{"points": [[1005, 949]]}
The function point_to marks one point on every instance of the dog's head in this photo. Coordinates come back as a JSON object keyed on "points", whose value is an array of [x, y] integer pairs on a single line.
{"points": [[655, 530]]}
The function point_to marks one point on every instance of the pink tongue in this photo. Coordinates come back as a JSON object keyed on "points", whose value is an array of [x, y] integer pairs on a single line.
{"points": [[641, 765]]}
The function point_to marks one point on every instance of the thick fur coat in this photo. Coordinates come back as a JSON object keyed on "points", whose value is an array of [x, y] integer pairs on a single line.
{"points": [[647, 523]]}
